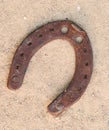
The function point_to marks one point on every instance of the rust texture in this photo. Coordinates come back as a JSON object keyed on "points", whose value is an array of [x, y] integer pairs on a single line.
{"points": [[78, 38]]}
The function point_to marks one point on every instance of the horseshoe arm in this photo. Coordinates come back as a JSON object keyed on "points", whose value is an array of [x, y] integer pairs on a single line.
{"points": [[84, 60]]}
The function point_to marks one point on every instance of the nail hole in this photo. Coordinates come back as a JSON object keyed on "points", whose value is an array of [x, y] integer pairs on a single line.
{"points": [[22, 54], [51, 29], [86, 64], [40, 35], [29, 44], [79, 39], [17, 67], [64, 29], [85, 50], [85, 76], [60, 106], [79, 89], [15, 79]]}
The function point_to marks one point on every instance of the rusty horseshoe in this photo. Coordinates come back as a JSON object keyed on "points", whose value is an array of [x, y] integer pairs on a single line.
{"points": [[78, 38]]}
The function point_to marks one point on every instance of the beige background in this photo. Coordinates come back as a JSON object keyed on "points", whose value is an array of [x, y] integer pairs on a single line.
{"points": [[51, 69]]}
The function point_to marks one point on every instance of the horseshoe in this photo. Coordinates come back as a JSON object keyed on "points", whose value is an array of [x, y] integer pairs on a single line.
{"points": [[78, 38]]}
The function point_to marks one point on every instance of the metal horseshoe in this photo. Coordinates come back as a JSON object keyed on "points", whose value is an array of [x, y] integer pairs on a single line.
{"points": [[78, 38]]}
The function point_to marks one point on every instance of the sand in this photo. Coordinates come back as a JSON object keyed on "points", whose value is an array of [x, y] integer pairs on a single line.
{"points": [[52, 67]]}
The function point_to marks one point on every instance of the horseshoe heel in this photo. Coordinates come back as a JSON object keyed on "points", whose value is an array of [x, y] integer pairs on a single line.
{"points": [[78, 38]]}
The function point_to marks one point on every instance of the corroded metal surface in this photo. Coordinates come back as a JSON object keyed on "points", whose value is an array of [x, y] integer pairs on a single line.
{"points": [[78, 38]]}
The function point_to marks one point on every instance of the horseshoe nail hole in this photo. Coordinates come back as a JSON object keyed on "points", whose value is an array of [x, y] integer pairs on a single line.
{"points": [[64, 29], [29, 44], [79, 89], [21, 54], [51, 29], [85, 76], [79, 39], [59, 107], [15, 79], [17, 67], [86, 64], [40, 35], [85, 50]]}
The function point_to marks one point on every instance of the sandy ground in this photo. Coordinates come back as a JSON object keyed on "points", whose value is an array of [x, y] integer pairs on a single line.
{"points": [[52, 68]]}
